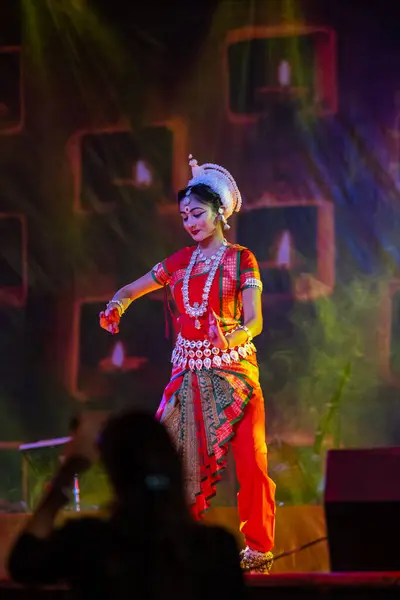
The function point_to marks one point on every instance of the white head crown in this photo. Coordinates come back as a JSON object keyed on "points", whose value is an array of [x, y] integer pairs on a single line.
{"points": [[221, 182]]}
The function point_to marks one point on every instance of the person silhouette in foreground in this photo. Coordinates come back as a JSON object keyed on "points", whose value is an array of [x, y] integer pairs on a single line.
{"points": [[149, 546]]}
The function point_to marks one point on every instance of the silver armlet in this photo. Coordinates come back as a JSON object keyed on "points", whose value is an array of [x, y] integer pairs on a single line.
{"points": [[254, 283]]}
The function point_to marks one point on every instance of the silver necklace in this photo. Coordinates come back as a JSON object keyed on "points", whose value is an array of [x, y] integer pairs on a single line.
{"points": [[208, 259], [198, 310]]}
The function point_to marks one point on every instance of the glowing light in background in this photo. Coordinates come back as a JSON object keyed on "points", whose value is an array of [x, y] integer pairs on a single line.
{"points": [[283, 258], [284, 73], [118, 355], [143, 175], [118, 361]]}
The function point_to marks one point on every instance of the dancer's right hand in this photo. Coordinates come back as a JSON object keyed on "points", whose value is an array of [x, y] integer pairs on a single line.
{"points": [[109, 320]]}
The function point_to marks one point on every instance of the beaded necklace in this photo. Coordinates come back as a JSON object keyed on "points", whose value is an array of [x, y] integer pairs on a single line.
{"points": [[198, 310]]}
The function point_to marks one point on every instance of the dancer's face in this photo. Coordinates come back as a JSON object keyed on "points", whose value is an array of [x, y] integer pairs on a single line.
{"points": [[199, 220]]}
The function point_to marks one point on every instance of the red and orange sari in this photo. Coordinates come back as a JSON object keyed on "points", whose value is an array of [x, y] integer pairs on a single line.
{"points": [[208, 408]]}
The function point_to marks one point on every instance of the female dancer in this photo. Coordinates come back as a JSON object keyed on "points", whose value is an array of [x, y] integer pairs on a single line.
{"points": [[214, 395]]}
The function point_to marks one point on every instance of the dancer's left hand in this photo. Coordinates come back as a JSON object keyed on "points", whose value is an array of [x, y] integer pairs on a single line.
{"points": [[215, 333]]}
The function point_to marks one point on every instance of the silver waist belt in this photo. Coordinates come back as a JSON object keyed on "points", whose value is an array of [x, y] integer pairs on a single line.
{"points": [[201, 354]]}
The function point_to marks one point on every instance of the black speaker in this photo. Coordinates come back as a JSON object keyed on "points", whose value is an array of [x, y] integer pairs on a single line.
{"points": [[362, 508]]}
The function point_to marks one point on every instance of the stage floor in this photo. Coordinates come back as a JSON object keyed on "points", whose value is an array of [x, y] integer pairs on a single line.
{"points": [[296, 526]]}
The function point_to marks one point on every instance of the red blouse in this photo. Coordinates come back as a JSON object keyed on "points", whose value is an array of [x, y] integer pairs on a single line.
{"points": [[238, 270]]}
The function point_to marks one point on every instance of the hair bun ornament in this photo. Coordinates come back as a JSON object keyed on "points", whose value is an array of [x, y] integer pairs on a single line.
{"points": [[221, 182], [196, 170]]}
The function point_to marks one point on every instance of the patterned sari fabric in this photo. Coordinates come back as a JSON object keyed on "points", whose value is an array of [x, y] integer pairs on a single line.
{"points": [[202, 408]]}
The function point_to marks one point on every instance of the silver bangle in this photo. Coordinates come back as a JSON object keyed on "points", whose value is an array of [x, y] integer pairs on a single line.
{"points": [[120, 306], [244, 328], [247, 330]]}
